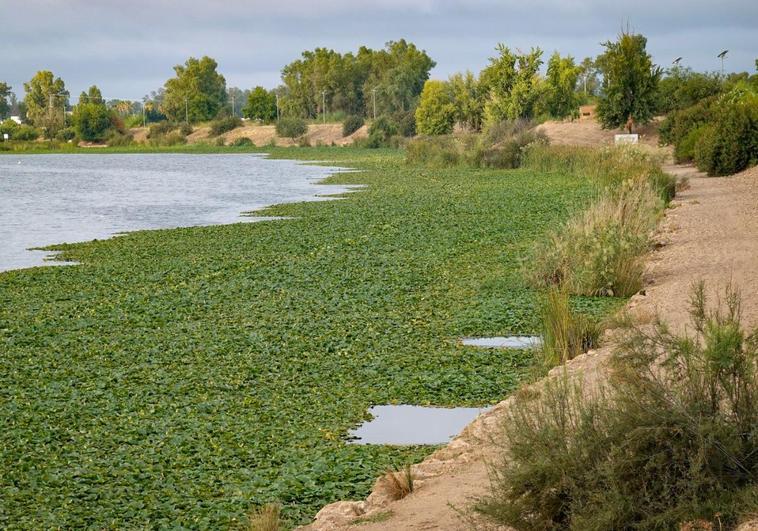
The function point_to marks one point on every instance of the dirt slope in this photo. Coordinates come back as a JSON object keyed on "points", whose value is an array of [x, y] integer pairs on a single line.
{"points": [[589, 133], [710, 233]]}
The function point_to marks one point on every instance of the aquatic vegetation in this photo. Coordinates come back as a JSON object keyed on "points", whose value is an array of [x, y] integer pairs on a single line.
{"points": [[179, 378]]}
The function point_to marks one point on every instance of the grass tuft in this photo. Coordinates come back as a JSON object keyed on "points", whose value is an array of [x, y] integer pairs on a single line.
{"points": [[399, 483], [265, 518], [566, 333]]}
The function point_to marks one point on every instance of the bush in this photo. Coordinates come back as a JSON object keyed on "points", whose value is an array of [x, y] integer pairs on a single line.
{"points": [[160, 129], [439, 151], [185, 129], [242, 141], [133, 120], [291, 127], [405, 123], [598, 252], [25, 133], [679, 123], [170, 139], [66, 134], [509, 153], [435, 114], [351, 124], [119, 139], [684, 150], [223, 125], [7, 127], [672, 438], [731, 144]]}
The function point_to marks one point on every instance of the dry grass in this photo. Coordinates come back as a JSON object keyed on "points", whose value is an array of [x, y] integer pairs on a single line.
{"points": [[399, 483], [566, 334], [266, 518]]}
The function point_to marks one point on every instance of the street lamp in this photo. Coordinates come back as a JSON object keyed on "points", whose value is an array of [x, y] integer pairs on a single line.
{"points": [[721, 56], [676, 61]]}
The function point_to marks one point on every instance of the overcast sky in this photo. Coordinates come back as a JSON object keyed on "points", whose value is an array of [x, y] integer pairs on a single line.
{"points": [[129, 47]]}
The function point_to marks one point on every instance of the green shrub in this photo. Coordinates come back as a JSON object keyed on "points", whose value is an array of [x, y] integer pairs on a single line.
{"points": [[173, 138], [598, 251], [405, 123], [351, 124], [672, 438], [223, 125], [438, 151], [242, 141], [185, 129], [160, 129], [679, 123], [684, 150], [565, 333], [66, 134], [133, 120], [7, 127], [119, 139], [731, 144], [291, 127], [25, 133], [507, 153]]}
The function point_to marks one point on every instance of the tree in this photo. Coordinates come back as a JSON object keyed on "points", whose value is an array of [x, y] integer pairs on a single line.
{"points": [[236, 99], [91, 118], [261, 105], [682, 88], [435, 114], [468, 100], [46, 100], [511, 82], [588, 77], [562, 75], [197, 92], [630, 82], [5, 96]]}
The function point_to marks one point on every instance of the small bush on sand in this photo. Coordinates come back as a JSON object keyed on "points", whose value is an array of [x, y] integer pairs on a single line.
{"points": [[291, 127], [434, 151], [266, 518], [185, 129], [173, 138], [351, 124], [730, 144], [565, 333], [399, 483], [598, 251], [672, 438], [160, 129], [242, 141], [223, 125]]}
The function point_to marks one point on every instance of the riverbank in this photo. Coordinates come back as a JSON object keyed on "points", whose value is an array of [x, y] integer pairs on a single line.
{"points": [[709, 233], [182, 377]]}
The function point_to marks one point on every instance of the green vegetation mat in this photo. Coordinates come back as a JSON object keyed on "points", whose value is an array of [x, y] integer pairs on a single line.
{"points": [[177, 378]]}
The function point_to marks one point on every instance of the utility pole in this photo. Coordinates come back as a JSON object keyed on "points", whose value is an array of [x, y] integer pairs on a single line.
{"points": [[323, 105], [373, 91], [233, 109], [721, 56]]}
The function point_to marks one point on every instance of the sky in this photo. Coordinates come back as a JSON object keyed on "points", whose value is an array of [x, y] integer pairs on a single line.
{"points": [[128, 47]]}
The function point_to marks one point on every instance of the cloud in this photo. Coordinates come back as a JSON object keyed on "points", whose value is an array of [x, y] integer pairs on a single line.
{"points": [[129, 48]]}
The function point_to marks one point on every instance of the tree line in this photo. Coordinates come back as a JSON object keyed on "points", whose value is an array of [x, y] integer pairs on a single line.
{"points": [[393, 83]]}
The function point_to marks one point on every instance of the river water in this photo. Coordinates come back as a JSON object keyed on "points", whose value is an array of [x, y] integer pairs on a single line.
{"points": [[49, 199]]}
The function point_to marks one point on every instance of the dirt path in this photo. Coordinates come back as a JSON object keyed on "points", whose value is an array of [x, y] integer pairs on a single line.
{"points": [[710, 233]]}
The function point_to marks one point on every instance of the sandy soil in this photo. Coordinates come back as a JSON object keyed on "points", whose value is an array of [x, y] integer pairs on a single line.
{"points": [[710, 233], [589, 133]]}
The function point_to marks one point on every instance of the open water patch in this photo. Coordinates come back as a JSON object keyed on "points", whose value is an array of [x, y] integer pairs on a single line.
{"points": [[405, 425], [515, 342]]}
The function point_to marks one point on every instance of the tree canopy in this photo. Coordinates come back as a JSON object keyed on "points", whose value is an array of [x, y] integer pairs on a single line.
{"points": [[349, 82], [435, 114], [630, 81], [561, 79], [5, 104], [46, 100], [198, 92], [92, 120], [511, 81], [261, 105]]}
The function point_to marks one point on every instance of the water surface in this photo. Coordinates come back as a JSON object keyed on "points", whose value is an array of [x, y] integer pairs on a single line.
{"points": [[413, 425], [49, 199]]}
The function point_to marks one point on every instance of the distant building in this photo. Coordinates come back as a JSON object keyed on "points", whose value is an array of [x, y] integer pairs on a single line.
{"points": [[16, 119], [587, 112]]}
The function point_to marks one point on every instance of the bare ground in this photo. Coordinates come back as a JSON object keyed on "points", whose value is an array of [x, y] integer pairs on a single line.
{"points": [[590, 133], [710, 233], [264, 135]]}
